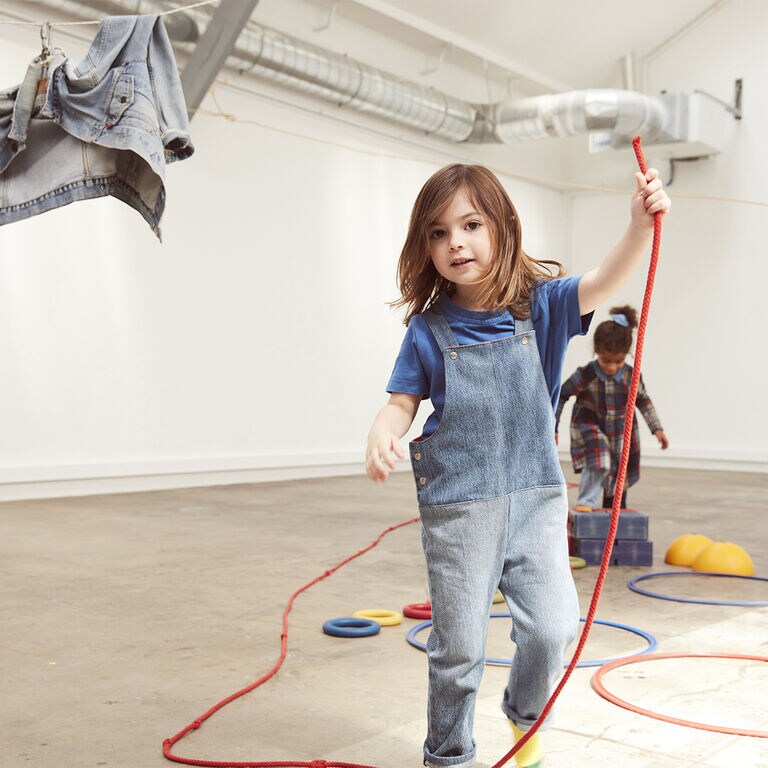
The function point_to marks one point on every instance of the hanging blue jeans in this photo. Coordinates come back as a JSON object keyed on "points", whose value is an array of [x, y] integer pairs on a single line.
{"points": [[107, 126], [493, 508]]}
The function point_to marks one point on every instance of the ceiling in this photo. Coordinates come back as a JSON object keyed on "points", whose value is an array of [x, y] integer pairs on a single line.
{"points": [[529, 46], [534, 46], [563, 44]]}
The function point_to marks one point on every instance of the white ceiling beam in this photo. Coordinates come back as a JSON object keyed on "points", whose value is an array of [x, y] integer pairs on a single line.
{"points": [[459, 42]]}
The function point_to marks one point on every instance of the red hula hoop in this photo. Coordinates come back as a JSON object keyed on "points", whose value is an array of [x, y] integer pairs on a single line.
{"points": [[597, 684]]}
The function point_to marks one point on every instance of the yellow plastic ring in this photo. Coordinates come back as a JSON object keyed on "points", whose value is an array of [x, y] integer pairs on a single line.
{"points": [[381, 615]]}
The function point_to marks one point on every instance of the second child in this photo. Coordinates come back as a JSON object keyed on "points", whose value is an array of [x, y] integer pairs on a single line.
{"points": [[601, 389]]}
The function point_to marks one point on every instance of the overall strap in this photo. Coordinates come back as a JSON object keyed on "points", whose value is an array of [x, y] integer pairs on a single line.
{"points": [[442, 332], [523, 326]]}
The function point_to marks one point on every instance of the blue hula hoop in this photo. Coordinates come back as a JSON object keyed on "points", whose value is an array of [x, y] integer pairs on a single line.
{"points": [[351, 627], [632, 584], [650, 639]]}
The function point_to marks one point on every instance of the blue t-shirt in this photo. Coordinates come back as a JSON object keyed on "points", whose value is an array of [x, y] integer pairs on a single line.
{"points": [[420, 369]]}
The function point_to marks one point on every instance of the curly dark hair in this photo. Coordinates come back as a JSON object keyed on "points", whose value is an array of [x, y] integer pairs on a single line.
{"points": [[614, 338]]}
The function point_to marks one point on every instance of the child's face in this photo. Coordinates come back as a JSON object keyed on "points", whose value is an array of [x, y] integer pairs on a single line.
{"points": [[460, 244], [610, 362]]}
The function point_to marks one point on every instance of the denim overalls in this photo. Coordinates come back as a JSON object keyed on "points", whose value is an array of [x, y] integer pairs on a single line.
{"points": [[493, 508]]}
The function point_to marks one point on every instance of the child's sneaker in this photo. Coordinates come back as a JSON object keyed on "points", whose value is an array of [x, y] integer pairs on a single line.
{"points": [[532, 754]]}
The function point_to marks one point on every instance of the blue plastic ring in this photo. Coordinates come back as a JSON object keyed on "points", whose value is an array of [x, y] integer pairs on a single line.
{"points": [[632, 584], [351, 627], [651, 640]]}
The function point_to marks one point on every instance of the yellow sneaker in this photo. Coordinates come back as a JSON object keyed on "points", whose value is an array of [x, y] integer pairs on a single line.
{"points": [[582, 508], [532, 754]]}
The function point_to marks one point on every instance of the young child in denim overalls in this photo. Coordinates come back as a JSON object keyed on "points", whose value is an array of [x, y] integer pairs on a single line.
{"points": [[487, 331], [601, 389]]}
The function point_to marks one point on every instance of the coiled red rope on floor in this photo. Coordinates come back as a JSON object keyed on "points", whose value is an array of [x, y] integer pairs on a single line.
{"points": [[620, 478], [168, 743], [629, 416]]}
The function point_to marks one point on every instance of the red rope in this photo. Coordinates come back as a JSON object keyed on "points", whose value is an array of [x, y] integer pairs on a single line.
{"points": [[628, 420], [629, 416], [168, 743]]}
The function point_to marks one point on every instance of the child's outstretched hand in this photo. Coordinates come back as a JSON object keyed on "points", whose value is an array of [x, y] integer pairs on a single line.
{"points": [[380, 455], [392, 421], [662, 438], [648, 198]]}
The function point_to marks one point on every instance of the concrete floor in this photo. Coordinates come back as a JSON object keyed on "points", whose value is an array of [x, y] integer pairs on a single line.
{"points": [[126, 617]]}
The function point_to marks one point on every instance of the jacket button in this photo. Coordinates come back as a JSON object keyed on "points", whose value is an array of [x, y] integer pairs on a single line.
{"points": [[422, 481], [417, 457], [525, 339], [453, 355]]}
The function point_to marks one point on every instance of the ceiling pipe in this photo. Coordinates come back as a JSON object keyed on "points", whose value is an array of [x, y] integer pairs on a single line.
{"points": [[620, 113], [628, 80], [280, 58]]}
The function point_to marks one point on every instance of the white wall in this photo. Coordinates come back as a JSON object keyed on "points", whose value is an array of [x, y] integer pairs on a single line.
{"points": [[254, 343], [705, 360]]}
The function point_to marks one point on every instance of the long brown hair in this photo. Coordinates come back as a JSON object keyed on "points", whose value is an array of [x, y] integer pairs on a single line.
{"points": [[512, 276]]}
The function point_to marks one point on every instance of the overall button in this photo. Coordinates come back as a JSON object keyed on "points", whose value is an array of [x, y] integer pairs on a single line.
{"points": [[525, 340], [453, 355], [422, 481], [417, 457]]}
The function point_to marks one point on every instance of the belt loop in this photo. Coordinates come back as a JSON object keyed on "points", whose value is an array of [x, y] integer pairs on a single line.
{"points": [[25, 103]]}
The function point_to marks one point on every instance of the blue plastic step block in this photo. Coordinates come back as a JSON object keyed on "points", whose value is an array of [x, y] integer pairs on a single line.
{"points": [[626, 552], [594, 525]]}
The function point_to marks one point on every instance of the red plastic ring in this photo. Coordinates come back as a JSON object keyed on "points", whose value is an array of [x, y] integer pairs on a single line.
{"points": [[597, 684], [418, 611]]}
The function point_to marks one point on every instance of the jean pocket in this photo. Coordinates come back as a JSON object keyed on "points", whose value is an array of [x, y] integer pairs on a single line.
{"points": [[121, 98]]}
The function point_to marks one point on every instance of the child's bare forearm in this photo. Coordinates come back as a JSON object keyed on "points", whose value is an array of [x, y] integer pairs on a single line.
{"points": [[598, 285], [390, 424], [393, 418]]}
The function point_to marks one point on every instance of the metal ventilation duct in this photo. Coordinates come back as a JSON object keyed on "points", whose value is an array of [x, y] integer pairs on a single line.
{"points": [[280, 58], [331, 76], [624, 113]]}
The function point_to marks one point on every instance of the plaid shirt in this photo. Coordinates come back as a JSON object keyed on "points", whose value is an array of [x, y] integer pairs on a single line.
{"points": [[597, 420]]}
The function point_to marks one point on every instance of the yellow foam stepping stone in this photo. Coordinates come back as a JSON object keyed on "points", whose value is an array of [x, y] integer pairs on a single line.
{"points": [[685, 549], [724, 557]]}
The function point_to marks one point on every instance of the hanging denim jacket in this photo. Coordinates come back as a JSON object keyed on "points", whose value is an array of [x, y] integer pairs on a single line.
{"points": [[104, 127]]}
